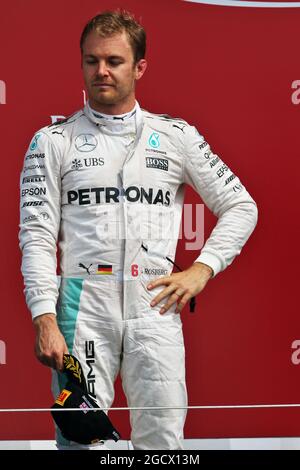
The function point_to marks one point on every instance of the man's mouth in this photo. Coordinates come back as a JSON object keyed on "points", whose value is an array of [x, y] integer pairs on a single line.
{"points": [[103, 85]]}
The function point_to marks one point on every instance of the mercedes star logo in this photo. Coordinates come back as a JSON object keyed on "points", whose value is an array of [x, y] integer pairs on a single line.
{"points": [[86, 142]]}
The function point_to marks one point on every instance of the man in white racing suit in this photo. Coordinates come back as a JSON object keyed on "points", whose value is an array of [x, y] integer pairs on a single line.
{"points": [[107, 184]]}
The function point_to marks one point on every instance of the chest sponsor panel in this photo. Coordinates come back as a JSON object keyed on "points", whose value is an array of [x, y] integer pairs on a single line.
{"points": [[162, 170], [91, 172], [113, 195]]}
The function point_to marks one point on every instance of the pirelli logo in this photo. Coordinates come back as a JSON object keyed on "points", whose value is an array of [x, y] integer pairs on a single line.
{"points": [[159, 163], [34, 179], [64, 394]]}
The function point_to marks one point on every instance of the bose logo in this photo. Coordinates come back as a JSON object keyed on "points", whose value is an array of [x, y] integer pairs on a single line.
{"points": [[2, 352], [2, 92]]}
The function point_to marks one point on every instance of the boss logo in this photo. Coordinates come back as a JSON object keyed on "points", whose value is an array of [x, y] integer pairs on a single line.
{"points": [[159, 163]]}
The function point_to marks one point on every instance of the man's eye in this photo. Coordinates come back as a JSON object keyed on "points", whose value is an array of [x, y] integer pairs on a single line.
{"points": [[91, 61], [115, 62]]}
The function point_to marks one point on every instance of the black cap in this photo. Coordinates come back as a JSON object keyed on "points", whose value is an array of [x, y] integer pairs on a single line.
{"points": [[86, 426]]}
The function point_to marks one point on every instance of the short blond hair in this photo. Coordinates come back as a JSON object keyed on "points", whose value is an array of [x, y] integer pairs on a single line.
{"points": [[109, 23]]}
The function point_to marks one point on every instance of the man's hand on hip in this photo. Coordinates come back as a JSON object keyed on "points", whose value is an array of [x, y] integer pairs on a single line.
{"points": [[50, 345], [181, 287]]}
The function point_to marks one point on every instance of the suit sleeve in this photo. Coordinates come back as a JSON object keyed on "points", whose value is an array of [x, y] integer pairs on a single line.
{"points": [[224, 194], [40, 198]]}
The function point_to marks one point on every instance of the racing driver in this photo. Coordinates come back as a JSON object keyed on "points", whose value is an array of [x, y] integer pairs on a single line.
{"points": [[107, 185]]}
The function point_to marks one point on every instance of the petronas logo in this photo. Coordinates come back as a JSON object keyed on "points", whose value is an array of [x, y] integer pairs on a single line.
{"points": [[154, 140], [34, 142]]}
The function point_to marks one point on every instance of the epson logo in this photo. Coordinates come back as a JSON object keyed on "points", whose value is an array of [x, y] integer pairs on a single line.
{"points": [[34, 179], [159, 163], [90, 361], [2, 352], [222, 170], [34, 192], [2, 92]]}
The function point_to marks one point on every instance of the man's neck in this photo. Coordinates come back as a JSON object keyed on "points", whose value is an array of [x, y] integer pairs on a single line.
{"points": [[113, 109]]}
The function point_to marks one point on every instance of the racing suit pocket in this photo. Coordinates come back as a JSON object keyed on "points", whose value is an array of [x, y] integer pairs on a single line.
{"points": [[155, 353]]}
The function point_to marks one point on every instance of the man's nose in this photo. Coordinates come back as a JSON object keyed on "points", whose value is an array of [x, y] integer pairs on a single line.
{"points": [[102, 68]]}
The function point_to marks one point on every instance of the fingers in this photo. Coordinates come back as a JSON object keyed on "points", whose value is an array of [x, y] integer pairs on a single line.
{"points": [[181, 287], [183, 302], [50, 350], [53, 360], [180, 299], [60, 363], [176, 295], [58, 357], [159, 282], [174, 298], [164, 293]]}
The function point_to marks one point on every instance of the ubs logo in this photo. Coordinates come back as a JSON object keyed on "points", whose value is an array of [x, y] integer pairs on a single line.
{"points": [[2, 92], [86, 142], [2, 352], [77, 164]]}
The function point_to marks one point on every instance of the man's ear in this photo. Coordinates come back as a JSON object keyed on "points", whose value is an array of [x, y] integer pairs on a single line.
{"points": [[140, 68]]}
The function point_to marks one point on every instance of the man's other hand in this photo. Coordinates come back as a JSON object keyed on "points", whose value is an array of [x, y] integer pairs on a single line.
{"points": [[50, 345], [181, 287]]}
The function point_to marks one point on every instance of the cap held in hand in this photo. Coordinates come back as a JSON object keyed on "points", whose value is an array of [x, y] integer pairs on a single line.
{"points": [[86, 426]]}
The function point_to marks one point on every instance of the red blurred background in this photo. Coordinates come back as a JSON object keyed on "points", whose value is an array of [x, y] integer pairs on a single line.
{"points": [[233, 73]]}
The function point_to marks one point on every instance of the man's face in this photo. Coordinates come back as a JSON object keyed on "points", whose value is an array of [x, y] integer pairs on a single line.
{"points": [[109, 72]]}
